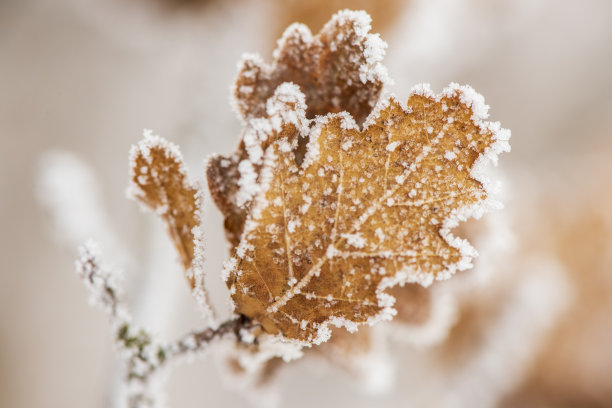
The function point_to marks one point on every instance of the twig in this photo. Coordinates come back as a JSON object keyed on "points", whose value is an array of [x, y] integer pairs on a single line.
{"points": [[142, 356]]}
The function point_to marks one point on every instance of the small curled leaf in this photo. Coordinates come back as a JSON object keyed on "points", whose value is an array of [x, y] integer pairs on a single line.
{"points": [[159, 181]]}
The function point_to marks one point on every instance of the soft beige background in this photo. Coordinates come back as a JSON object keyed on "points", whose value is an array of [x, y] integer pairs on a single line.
{"points": [[88, 75]]}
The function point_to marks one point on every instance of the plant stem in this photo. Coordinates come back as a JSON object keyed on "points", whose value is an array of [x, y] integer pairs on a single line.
{"points": [[143, 359]]}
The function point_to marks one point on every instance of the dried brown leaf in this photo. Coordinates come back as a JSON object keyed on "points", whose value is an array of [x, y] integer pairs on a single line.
{"points": [[363, 211], [159, 181], [339, 69], [330, 68]]}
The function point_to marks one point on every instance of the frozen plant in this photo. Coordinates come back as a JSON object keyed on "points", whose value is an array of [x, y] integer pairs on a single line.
{"points": [[337, 194]]}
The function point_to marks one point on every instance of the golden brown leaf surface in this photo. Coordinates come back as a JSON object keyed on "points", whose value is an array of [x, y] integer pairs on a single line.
{"points": [[363, 211], [159, 181]]}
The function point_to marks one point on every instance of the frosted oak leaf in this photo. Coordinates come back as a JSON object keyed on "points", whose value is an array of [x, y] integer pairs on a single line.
{"points": [[363, 211], [339, 69], [158, 180]]}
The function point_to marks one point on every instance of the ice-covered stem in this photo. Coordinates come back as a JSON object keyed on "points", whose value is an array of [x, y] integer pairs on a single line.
{"points": [[145, 363], [136, 346], [143, 357], [100, 282]]}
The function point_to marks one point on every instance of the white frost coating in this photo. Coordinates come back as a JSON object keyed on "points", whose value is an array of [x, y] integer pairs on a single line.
{"points": [[346, 120], [228, 266], [256, 64], [288, 105], [323, 334], [312, 148], [347, 144], [350, 326], [470, 98], [356, 240], [423, 90], [450, 155], [151, 141], [386, 99], [197, 271], [100, 280], [254, 135], [374, 47], [392, 146], [296, 32], [383, 103], [360, 20], [247, 183], [331, 252], [265, 178], [291, 225], [252, 59]]}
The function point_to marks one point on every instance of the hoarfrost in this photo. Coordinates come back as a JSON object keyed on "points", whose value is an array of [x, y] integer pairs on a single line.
{"points": [[247, 182]]}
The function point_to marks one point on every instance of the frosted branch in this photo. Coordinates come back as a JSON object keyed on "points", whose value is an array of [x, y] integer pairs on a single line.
{"points": [[143, 356]]}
